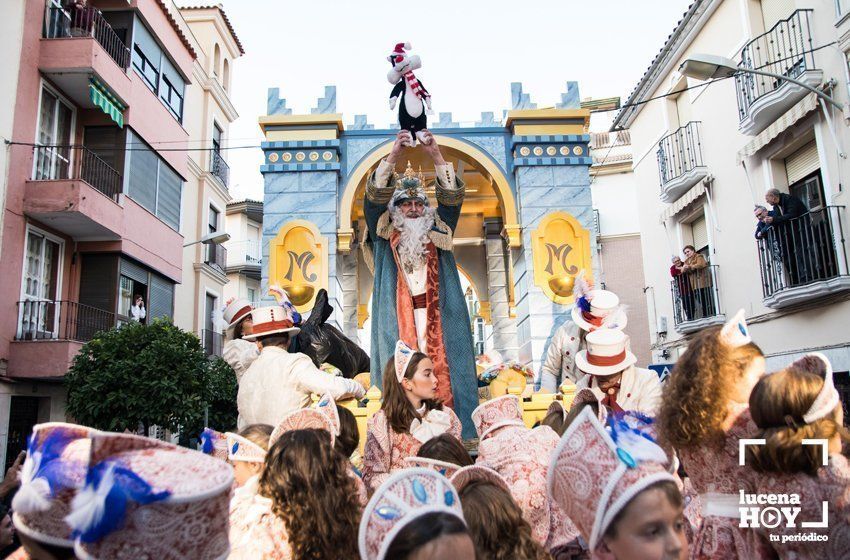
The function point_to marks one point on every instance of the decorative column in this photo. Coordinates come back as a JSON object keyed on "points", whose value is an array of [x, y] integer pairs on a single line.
{"points": [[301, 182], [551, 167], [499, 289]]}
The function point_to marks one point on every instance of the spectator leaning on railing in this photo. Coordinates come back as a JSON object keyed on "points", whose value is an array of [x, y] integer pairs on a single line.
{"points": [[761, 213], [790, 231], [699, 281]]}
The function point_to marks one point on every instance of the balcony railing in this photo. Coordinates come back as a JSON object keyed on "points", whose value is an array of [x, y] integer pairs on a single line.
{"points": [[212, 341], [219, 168], [61, 320], [242, 253], [786, 49], [696, 299], [679, 154], [216, 256], [87, 22], [58, 163], [802, 253]]}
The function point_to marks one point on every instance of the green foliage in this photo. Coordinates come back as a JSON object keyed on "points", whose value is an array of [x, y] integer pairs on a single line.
{"points": [[221, 395], [153, 374]]}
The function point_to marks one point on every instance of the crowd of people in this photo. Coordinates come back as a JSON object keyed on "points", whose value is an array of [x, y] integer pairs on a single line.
{"points": [[627, 470]]}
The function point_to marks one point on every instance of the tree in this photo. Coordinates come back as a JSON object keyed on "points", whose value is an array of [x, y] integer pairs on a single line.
{"points": [[153, 374], [221, 395]]}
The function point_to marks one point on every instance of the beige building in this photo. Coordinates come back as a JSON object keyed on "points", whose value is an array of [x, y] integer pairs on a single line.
{"points": [[205, 195], [244, 223], [704, 155]]}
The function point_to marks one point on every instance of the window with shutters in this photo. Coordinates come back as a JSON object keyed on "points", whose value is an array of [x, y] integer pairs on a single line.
{"points": [[699, 234], [151, 182], [157, 70], [802, 163], [809, 190]]}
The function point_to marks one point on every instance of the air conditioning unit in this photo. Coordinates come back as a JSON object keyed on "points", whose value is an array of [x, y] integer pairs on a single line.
{"points": [[661, 327]]}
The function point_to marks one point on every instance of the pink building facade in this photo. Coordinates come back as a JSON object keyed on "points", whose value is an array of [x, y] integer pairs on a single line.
{"points": [[92, 215]]}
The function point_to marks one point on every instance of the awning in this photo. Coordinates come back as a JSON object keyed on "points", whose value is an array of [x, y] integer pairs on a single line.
{"points": [[692, 195], [107, 102], [797, 112]]}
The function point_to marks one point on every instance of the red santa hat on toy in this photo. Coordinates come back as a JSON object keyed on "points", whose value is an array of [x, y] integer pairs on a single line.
{"points": [[398, 52]]}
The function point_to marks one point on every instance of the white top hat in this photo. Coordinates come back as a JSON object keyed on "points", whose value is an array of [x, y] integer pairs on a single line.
{"points": [[273, 319], [236, 310], [607, 353], [605, 312]]}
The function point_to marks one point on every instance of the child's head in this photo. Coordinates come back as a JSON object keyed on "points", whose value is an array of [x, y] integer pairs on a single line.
{"points": [[496, 524], [650, 527], [312, 491], [707, 378], [782, 405], [433, 536], [349, 436], [447, 448], [257, 434], [417, 382]]}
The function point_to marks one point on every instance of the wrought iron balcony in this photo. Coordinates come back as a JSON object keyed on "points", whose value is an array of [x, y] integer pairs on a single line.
{"points": [[213, 342], [216, 257], [219, 168], [680, 161], [696, 300], [87, 22], [804, 258], [786, 49], [61, 320], [60, 163]]}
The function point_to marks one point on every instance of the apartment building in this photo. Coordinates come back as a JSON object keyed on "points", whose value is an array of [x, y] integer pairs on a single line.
{"points": [[244, 223], [209, 112], [705, 154], [93, 203]]}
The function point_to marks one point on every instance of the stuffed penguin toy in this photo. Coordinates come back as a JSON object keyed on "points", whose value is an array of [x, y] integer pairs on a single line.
{"points": [[414, 96]]}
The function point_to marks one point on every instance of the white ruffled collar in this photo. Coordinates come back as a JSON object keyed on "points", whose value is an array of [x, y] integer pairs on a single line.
{"points": [[433, 424]]}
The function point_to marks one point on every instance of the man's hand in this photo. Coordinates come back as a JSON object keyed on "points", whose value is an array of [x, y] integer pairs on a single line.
{"points": [[429, 144], [13, 475], [402, 140], [768, 220]]}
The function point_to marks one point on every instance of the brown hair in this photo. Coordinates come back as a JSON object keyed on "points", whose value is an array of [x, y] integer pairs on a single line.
{"points": [[694, 404], [421, 531], [446, 447], [398, 409], [257, 433], [777, 404], [671, 491], [691, 247], [313, 493], [349, 437], [496, 524]]}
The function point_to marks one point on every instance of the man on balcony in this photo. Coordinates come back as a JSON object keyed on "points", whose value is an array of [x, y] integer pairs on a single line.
{"points": [[791, 230]]}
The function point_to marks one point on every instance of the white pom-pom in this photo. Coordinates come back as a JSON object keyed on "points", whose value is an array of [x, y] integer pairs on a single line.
{"points": [[640, 448], [89, 505], [32, 497], [407, 46]]}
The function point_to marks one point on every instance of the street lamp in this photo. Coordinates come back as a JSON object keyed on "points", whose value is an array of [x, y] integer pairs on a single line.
{"points": [[214, 238], [710, 67]]}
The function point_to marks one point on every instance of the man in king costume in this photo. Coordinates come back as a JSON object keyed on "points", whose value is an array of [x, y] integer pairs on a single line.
{"points": [[417, 297]]}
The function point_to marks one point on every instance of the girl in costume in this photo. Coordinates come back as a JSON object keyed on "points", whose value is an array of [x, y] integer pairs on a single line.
{"points": [[246, 451], [237, 352], [306, 505], [521, 455], [495, 520], [414, 515], [798, 403], [704, 414], [615, 485], [409, 416]]}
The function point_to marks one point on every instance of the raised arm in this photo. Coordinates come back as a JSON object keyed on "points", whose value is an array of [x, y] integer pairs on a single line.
{"points": [[381, 184], [449, 188]]}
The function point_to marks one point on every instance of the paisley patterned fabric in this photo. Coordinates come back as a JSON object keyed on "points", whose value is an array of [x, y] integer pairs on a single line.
{"points": [[591, 480], [401, 499], [714, 468], [191, 524], [444, 468], [256, 532], [304, 419], [243, 449], [521, 456], [495, 413], [387, 449], [832, 485]]}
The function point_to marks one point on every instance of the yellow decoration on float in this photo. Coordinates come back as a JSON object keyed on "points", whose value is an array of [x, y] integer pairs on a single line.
{"points": [[298, 262], [560, 248]]}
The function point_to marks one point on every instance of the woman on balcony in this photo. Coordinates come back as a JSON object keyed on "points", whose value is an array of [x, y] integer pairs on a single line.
{"points": [[698, 300]]}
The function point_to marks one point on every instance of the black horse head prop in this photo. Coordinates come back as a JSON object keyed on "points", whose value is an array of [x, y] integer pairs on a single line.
{"points": [[325, 343]]}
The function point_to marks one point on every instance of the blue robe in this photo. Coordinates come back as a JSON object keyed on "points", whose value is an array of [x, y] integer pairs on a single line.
{"points": [[457, 329]]}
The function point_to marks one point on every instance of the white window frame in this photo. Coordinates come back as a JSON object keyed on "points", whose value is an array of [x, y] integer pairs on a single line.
{"points": [[44, 84], [217, 297], [59, 277]]}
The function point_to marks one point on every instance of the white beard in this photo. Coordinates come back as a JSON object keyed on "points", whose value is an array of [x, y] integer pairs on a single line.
{"points": [[413, 239]]}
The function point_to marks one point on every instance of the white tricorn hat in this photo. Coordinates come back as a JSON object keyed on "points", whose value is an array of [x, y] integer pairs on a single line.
{"points": [[607, 353]]}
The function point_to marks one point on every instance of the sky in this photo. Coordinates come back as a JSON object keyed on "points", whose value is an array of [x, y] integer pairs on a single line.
{"points": [[471, 52]]}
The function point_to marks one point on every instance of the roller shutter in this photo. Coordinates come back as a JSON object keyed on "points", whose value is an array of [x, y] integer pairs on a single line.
{"points": [[803, 162]]}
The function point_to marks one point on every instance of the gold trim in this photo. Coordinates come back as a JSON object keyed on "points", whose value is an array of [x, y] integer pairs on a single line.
{"points": [[343, 240], [513, 233]]}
